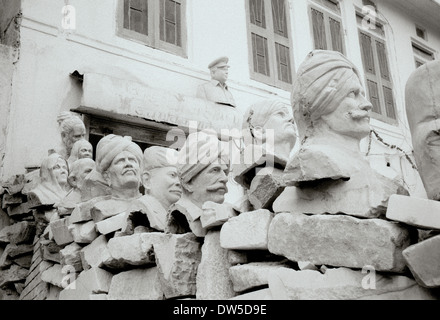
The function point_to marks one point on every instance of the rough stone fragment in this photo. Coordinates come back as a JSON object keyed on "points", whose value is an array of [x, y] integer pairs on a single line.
{"points": [[418, 212], [51, 251], [262, 294], [71, 256], [54, 293], [423, 259], [335, 284], [340, 241], [112, 224], [83, 232], [5, 221], [177, 258], [265, 188], [14, 274], [305, 265], [213, 281], [9, 200], [23, 261], [94, 254], [19, 210], [237, 257], [14, 184], [60, 231], [248, 231], [82, 211], [17, 233], [138, 284], [252, 275], [184, 216], [31, 180], [109, 208], [14, 250], [100, 296], [216, 214], [134, 250], [97, 280], [55, 276]]}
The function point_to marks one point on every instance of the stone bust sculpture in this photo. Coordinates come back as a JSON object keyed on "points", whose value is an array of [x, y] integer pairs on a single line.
{"points": [[80, 149], [216, 90], [329, 174], [161, 182], [53, 185], [204, 167], [119, 161], [332, 116], [422, 94], [72, 129]]}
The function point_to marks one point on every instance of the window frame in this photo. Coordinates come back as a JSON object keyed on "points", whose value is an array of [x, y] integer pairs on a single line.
{"points": [[328, 13], [272, 38], [378, 77], [422, 47], [153, 39]]}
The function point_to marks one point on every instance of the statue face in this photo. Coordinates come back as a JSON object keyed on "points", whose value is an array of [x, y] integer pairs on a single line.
{"points": [[352, 117], [281, 121], [77, 133], [210, 184], [124, 172], [85, 151], [60, 171], [220, 74], [164, 185]]}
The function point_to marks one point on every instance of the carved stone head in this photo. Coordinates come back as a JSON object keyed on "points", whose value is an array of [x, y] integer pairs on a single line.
{"points": [[423, 111], [81, 149], [160, 176], [219, 69], [79, 170], [204, 168], [72, 129], [119, 160]]}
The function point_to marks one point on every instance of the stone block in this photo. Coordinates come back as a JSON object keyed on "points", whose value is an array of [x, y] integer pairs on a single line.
{"points": [[177, 258], [252, 275], [216, 214], [19, 210], [15, 250], [24, 261], [60, 231], [20, 232], [335, 284], [14, 184], [248, 231], [133, 250], [55, 276], [138, 284], [237, 257], [109, 208], [100, 296], [96, 280], [14, 274], [94, 254], [423, 259], [11, 200], [340, 241], [54, 293], [213, 280], [83, 232], [51, 251], [71, 256], [417, 212], [265, 188], [112, 224], [5, 221], [262, 294], [82, 211]]}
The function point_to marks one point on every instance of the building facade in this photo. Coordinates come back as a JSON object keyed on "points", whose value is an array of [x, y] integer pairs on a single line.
{"points": [[132, 67]]}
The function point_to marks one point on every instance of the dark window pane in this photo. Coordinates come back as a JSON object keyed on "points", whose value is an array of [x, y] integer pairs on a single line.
{"points": [[389, 103], [383, 62], [126, 14], [367, 53], [279, 17], [170, 22], [283, 63], [257, 13], [261, 55], [319, 30], [136, 15], [374, 95], [336, 34]]}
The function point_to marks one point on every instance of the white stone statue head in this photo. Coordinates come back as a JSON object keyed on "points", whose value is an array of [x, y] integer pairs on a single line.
{"points": [[160, 176], [72, 129], [423, 112], [79, 170], [119, 160], [204, 168], [81, 149], [219, 69], [328, 97]]}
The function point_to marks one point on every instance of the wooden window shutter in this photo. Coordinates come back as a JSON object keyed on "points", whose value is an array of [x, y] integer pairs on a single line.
{"points": [[283, 63], [170, 22], [383, 62], [389, 102], [367, 53], [318, 29], [136, 15], [279, 17], [374, 95], [261, 54], [336, 35], [257, 13]]}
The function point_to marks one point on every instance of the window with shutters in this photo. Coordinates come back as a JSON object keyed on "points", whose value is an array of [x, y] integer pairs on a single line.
{"points": [[160, 24], [422, 54], [270, 50], [378, 78], [326, 25]]}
